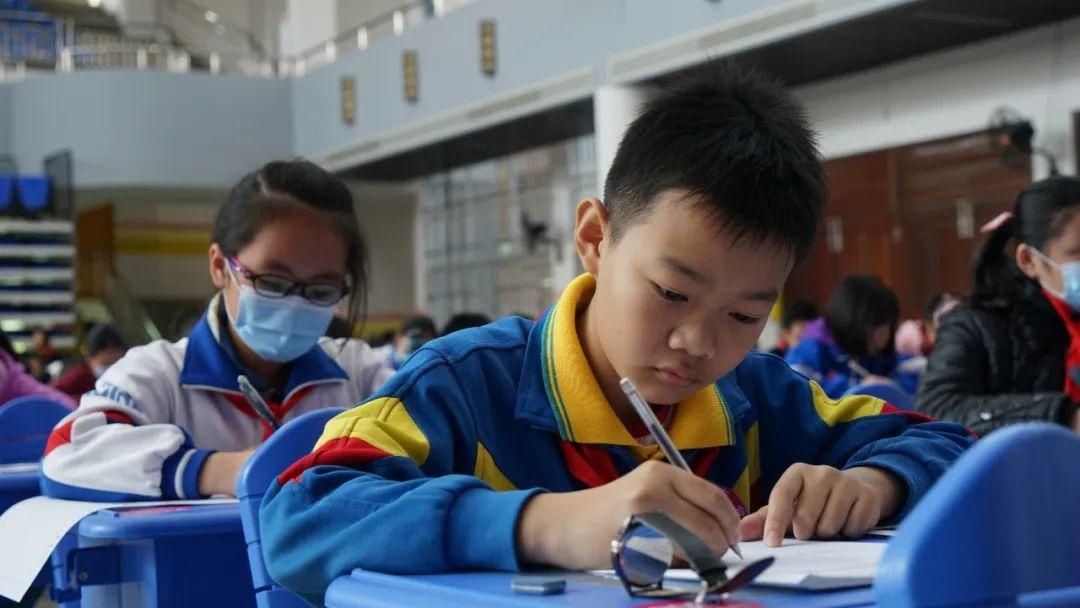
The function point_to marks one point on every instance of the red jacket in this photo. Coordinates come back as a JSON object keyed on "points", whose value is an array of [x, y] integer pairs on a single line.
{"points": [[77, 380]]}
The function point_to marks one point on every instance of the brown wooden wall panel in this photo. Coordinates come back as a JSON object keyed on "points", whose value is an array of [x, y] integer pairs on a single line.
{"points": [[96, 257], [910, 216]]}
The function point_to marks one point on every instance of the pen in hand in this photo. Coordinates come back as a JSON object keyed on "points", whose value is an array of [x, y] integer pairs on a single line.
{"points": [[256, 402], [667, 446]]}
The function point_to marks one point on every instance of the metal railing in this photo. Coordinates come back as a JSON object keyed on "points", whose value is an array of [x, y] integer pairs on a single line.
{"points": [[33, 38], [128, 313], [32, 42], [392, 23]]}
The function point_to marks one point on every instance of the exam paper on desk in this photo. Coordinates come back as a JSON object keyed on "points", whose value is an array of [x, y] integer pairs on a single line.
{"points": [[808, 565]]}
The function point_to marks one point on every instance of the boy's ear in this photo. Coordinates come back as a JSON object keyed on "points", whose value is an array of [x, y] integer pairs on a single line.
{"points": [[590, 230]]}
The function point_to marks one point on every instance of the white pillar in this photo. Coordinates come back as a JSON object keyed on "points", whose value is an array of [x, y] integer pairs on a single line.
{"points": [[614, 108], [564, 259]]}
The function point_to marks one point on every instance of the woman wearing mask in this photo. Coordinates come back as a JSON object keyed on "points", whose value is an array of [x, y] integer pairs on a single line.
{"points": [[168, 420], [1012, 354], [414, 333]]}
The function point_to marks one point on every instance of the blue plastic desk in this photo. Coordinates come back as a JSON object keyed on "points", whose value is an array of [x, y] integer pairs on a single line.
{"points": [[164, 557], [370, 590], [15, 487]]}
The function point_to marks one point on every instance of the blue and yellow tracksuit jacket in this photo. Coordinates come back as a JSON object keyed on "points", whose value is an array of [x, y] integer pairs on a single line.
{"points": [[431, 473]]}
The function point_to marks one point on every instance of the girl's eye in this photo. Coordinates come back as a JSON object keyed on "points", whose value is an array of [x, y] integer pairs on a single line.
{"points": [[667, 294], [272, 285], [744, 319]]}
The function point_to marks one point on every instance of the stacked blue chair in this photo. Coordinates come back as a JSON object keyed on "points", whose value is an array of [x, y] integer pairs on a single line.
{"points": [[286, 446], [7, 191], [33, 192]]}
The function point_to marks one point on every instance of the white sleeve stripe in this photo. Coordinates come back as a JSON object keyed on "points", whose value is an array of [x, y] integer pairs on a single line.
{"points": [[178, 480]]}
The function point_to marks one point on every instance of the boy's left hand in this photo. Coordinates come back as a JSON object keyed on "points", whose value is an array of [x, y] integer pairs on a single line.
{"points": [[823, 501]]}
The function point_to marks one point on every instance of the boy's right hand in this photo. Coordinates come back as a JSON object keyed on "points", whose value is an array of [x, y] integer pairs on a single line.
{"points": [[574, 530]]}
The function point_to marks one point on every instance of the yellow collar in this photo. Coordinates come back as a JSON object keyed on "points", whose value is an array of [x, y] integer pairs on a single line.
{"points": [[583, 413]]}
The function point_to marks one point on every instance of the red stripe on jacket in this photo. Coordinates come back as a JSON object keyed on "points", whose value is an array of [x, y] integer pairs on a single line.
{"points": [[344, 452], [62, 434]]}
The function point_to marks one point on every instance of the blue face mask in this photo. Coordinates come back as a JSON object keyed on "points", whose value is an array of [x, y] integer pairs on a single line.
{"points": [[279, 329], [411, 345], [1070, 277]]}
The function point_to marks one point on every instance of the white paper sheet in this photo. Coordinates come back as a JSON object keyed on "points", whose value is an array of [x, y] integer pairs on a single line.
{"points": [[19, 467], [809, 565], [31, 529]]}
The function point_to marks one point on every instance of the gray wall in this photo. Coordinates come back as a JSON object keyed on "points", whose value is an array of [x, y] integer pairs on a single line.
{"points": [[132, 128], [5, 119], [536, 40]]}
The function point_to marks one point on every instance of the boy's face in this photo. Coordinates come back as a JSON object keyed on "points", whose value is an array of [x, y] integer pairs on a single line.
{"points": [[678, 303]]}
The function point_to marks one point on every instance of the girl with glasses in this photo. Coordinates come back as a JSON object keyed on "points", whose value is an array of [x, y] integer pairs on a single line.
{"points": [[169, 420]]}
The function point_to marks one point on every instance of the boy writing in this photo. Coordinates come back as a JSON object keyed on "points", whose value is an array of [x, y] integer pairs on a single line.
{"points": [[512, 444]]}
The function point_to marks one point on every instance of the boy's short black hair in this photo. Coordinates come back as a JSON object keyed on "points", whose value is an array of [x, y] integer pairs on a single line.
{"points": [[419, 325], [740, 145], [859, 305], [104, 337], [799, 310]]}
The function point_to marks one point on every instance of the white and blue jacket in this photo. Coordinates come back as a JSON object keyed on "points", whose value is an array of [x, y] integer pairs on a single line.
{"points": [[154, 417]]}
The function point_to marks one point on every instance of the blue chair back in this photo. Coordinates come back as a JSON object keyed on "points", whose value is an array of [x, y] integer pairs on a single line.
{"points": [[290, 443], [1000, 528], [7, 191], [889, 393], [33, 192], [25, 424]]}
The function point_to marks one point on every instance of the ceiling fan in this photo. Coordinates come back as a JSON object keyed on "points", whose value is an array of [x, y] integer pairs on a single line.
{"points": [[1011, 135]]}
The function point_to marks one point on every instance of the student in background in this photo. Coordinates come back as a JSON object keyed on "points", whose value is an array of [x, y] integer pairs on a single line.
{"points": [[103, 347], [1012, 354], [42, 360], [911, 338], [413, 333], [167, 420], [853, 343], [465, 320], [15, 382], [40, 346], [512, 445], [798, 315], [936, 309], [915, 337]]}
